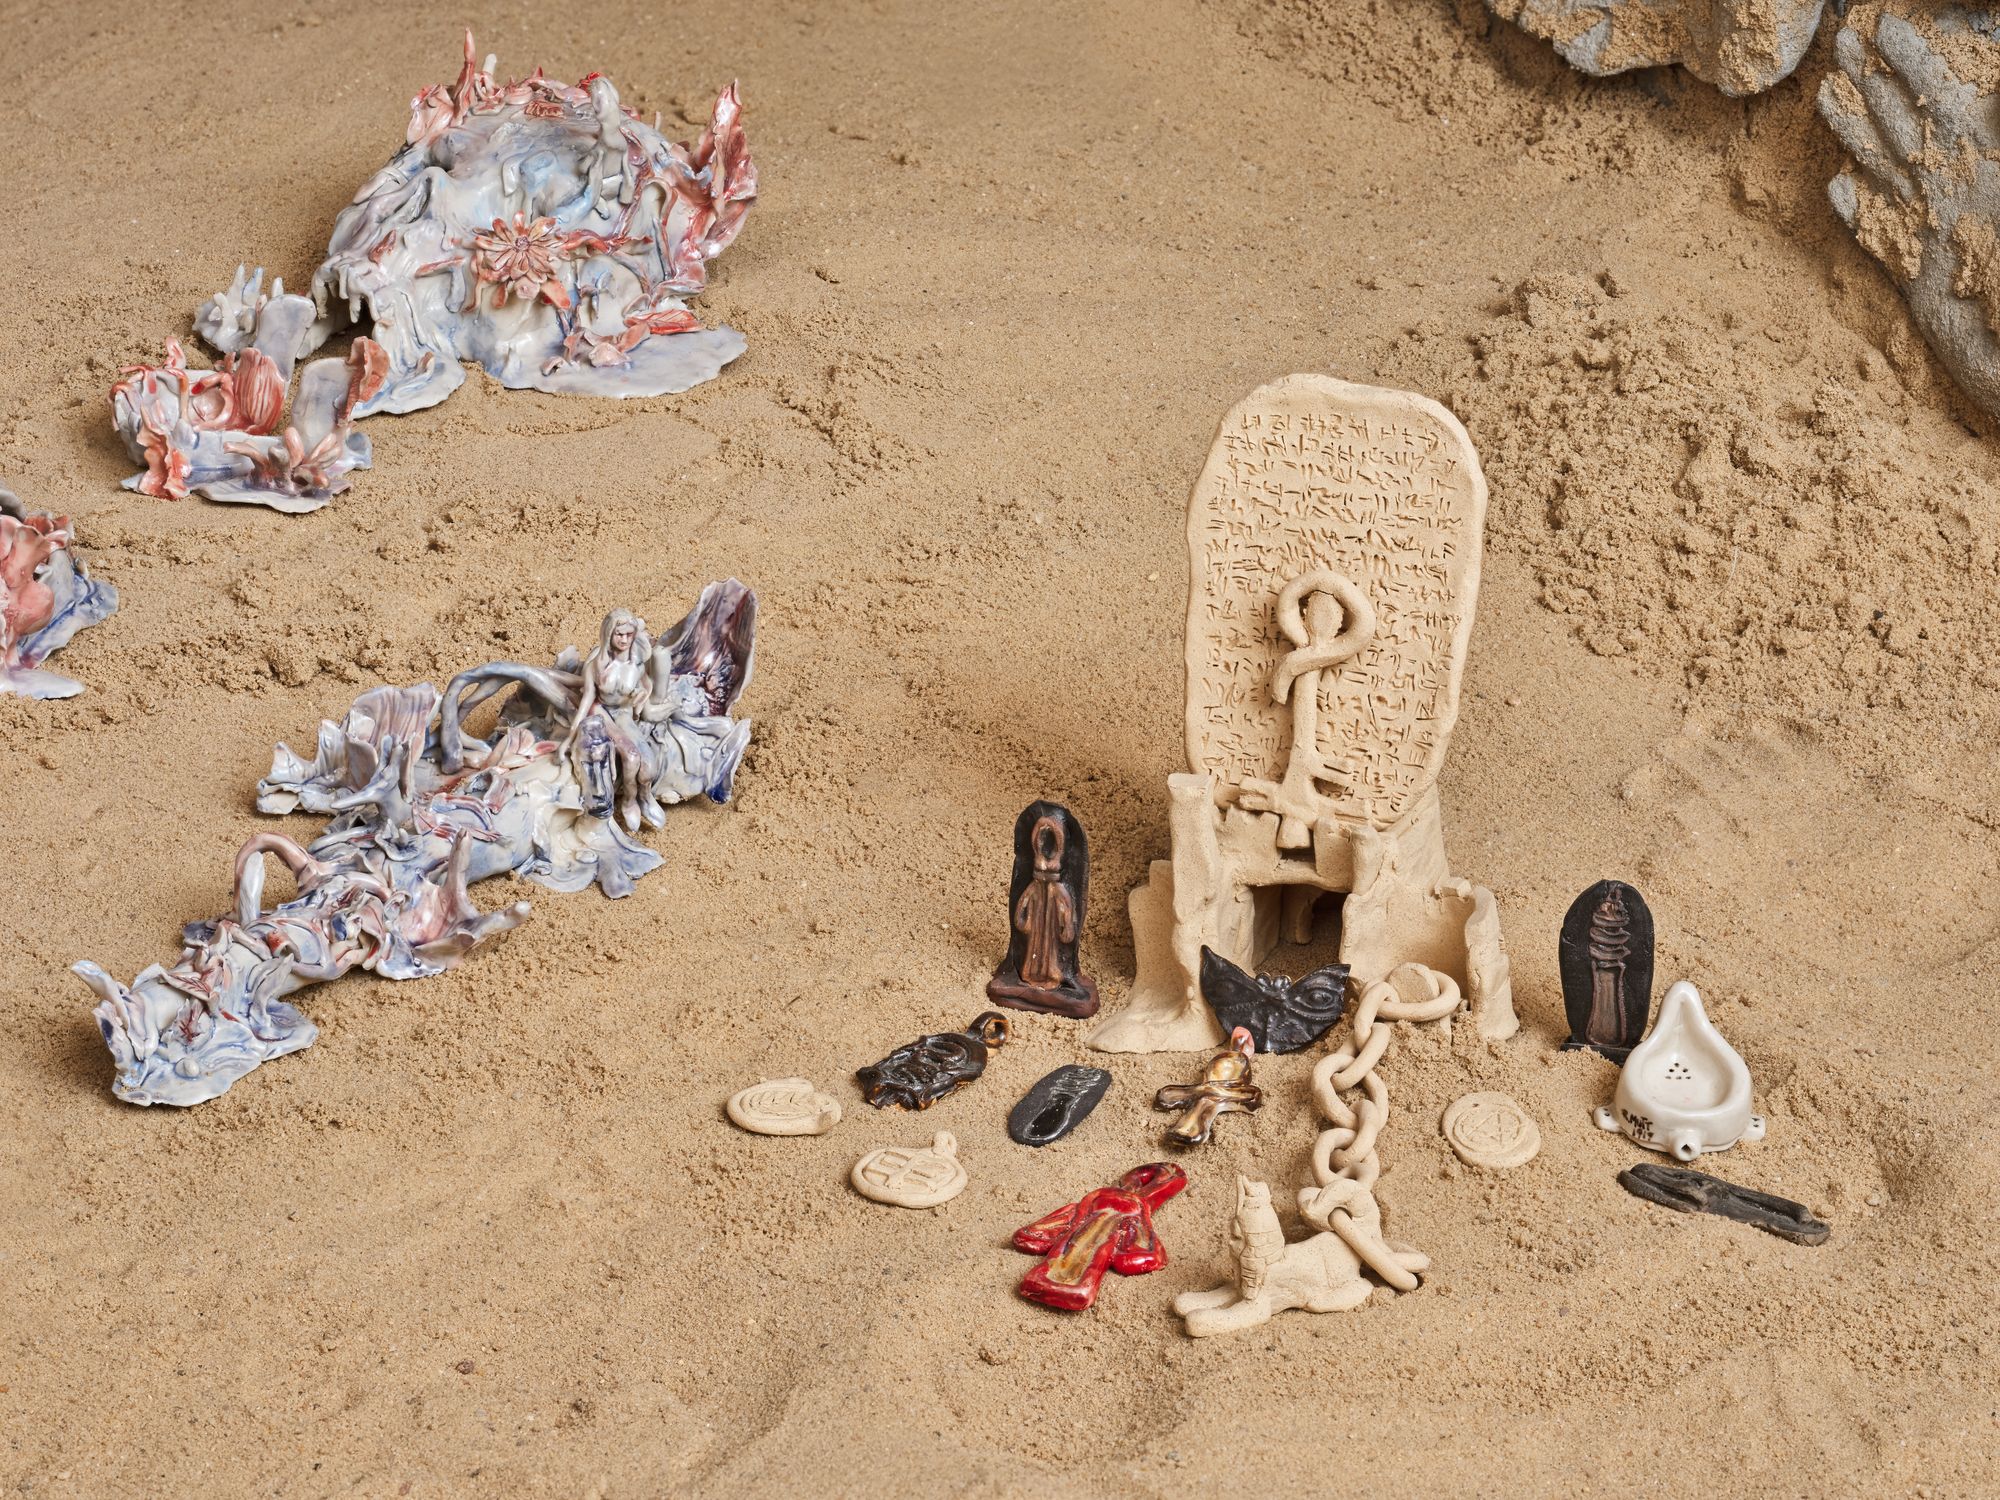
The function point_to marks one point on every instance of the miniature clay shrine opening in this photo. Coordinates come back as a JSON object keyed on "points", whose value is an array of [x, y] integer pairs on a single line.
{"points": [[1311, 924]]}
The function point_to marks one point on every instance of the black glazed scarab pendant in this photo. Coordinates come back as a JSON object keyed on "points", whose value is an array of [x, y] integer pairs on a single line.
{"points": [[918, 1074]]}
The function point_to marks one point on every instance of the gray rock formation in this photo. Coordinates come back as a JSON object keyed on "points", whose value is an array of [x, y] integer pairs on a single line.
{"points": [[1740, 46], [1923, 195]]}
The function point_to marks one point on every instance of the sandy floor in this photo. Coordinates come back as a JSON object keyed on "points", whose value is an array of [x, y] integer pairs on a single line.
{"points": [[492, 1236]]}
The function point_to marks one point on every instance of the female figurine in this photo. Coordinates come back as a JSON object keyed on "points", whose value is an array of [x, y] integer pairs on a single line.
{"points": [[1045, 905], [605, 737]]}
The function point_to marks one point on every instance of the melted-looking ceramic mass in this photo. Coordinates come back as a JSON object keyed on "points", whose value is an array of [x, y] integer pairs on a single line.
{"points": [[421, 809], [537, 229], [46, 596]]}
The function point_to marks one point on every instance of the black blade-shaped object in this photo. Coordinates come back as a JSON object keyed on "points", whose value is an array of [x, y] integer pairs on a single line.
{"points": [[1690, 1192]]}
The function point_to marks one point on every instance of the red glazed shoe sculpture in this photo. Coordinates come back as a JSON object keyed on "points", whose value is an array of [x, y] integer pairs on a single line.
{"points": [[1107, 1229]]}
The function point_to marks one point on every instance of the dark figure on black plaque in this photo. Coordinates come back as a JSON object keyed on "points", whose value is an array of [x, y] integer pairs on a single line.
{"points": [[1045, 911], [1606, 957]]}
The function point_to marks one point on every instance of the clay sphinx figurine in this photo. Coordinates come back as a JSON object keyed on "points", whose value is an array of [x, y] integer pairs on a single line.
{"points": [[1605, 954], [1045, 914], [1320, 1274], [1225, 1088], [1281, 1015], [1108, 1229], [918, 1074]]}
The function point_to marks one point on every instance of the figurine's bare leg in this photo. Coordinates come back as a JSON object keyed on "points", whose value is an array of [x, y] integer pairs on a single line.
{"points": [[1923, 197], [628, 789]]}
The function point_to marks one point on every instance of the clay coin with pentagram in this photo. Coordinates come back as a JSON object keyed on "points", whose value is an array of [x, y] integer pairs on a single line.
{"points": [[784, 1106], [1491, 1130], [910, 1177]]}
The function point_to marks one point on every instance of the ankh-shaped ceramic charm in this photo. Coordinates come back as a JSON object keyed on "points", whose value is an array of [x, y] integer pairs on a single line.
{"points": [[1225, 1088], [1107, 1229]]}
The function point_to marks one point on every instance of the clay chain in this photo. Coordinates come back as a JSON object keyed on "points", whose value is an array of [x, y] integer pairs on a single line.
{"points": [[1345, 1162]]}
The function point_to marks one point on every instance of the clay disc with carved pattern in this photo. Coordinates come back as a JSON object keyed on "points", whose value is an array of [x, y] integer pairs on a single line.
{"points": [[784, 1106], [1491, 1130], [910, 1176]]}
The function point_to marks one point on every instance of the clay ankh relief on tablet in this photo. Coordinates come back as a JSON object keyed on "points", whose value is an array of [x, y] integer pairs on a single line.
{"points": [[1334, 549]]}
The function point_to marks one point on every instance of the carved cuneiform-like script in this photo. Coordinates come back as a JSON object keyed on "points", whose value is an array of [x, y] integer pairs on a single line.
{"points": [[1382, 487]]}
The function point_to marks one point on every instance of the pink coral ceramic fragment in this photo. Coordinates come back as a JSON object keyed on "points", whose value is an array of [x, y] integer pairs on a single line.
{"points": [[537, 229], [46, 597], [544, 232]]}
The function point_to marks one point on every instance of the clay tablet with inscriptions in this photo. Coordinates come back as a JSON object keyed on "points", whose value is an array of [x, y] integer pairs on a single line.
{"points": [[1315, 475]]}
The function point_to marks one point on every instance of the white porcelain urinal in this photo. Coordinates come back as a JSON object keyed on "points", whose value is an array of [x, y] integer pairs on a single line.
{"points": [[1684, 1090]]}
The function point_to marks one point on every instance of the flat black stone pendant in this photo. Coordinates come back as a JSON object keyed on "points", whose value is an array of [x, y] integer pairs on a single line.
{"points": [[918, 1074], [1281, 1015], [1690, 1192], [1057, 1105], [1606, 957]]}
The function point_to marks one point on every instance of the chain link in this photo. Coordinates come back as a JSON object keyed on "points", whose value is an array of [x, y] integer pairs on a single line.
{"points": [[1345, 1161]]}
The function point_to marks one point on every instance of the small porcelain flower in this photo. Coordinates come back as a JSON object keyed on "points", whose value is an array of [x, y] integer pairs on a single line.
{"points": [[521, 259]]}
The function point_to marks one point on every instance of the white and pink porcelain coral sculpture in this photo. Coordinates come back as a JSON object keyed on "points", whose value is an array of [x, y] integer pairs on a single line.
{"points": [[46, 596], [538, 229]]}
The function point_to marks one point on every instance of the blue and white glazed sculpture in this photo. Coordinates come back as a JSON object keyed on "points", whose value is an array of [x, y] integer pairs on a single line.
{"points": [[421, 809], [537, 229], [46, 597]]}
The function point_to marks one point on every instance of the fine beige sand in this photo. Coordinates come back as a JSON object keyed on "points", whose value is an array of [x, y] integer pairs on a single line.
{"points": [[492, 1235]]}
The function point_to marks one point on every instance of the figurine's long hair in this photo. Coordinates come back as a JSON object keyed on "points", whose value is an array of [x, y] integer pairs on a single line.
{"points": [[641, 647]]}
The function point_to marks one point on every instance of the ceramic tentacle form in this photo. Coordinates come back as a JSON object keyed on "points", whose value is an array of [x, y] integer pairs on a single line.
{"points": [[421, 809], [46, 597], [537, 229]]}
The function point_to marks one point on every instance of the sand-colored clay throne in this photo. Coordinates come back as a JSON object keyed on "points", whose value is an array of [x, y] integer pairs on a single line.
{"points": [[1334, 549]]}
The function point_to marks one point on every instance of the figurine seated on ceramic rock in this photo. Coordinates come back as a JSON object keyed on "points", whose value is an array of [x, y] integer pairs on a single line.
{"points": [[421, 809], [538, 229], [642, 728]]}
